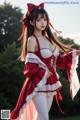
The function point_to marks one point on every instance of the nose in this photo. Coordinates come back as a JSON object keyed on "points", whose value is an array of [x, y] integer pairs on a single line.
{"points": [[42, 22]]}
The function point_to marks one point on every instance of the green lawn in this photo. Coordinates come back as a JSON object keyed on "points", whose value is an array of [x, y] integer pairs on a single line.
{"points": [[67, 118]]}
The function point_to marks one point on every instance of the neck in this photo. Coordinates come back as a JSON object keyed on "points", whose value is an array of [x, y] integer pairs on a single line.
{"points": [[38, 33]]}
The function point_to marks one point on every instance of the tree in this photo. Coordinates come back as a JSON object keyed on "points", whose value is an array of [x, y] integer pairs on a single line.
{"points": [[11, 69], [10, 24], [11, 76]]}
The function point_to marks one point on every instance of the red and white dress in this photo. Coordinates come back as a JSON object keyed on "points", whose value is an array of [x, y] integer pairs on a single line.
{"points": [[37, 65]]}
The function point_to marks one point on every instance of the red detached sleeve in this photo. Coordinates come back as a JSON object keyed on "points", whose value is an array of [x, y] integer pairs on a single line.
{"points": [[69, 62], [30, 69], [64, 61], [35, 72]]}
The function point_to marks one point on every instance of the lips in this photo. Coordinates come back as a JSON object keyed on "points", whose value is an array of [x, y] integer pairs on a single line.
{"points": [[42, 26]]}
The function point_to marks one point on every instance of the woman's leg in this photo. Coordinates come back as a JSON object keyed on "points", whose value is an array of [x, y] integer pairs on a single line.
{"points": [[40, 102], [49, 101]]}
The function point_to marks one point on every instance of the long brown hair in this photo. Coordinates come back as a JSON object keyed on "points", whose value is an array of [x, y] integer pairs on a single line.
{"points": [[30, 29]]}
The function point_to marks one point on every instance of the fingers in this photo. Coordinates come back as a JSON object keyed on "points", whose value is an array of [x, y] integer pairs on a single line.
{"points": [[78, 52], [49, 74]]}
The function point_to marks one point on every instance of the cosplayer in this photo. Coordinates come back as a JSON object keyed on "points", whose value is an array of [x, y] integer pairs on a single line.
{"points": [[40, 51]]}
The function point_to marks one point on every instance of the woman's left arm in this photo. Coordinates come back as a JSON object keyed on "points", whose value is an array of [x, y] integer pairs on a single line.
{"points": [[66, 60], [69, 62]]}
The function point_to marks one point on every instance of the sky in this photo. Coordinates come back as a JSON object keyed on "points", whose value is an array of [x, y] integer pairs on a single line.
{"points": [[63, 14]]}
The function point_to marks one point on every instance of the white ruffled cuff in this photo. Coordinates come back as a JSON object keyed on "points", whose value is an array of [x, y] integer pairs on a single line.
{"points": [[74, 81]]}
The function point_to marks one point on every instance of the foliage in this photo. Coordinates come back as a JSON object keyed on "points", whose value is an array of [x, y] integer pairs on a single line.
{"points": [[11, 69], [10, 24], [67, 118], [69, 106], [11, 76]]}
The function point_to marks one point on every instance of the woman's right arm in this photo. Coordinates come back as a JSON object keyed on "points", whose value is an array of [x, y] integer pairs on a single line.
{"points": [[31, 44], [32, 68]]}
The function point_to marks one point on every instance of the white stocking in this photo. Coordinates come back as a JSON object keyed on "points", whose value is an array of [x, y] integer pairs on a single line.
{"points": [[49, 101], [43, 105]]}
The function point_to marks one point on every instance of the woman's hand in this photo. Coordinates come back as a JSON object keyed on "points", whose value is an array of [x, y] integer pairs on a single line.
{"points": [[78, 52], [49, 74]]}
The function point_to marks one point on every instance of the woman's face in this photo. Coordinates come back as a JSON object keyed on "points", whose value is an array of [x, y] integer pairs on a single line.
{"points": [[41, 23]]}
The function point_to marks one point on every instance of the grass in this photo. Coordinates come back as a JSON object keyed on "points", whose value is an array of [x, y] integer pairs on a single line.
{"points": [[67, 118]]}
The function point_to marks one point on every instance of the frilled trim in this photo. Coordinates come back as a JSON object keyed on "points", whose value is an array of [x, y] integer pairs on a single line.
{"points": [[74, 81], [52, 87], [39, 85], [31, 57]]}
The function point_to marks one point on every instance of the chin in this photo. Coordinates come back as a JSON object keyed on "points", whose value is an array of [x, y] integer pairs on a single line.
{"points": [[42, 29]]}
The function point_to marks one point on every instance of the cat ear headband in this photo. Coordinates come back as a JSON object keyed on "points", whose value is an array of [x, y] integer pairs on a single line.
{"points": [[31, 7]]}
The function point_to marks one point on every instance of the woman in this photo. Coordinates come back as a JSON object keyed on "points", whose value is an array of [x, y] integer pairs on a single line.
{"points": [[40, 51]]}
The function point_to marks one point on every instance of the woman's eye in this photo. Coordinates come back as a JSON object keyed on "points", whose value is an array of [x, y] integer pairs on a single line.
{"points": [[41, 19], [38, 20], [45, 19]]}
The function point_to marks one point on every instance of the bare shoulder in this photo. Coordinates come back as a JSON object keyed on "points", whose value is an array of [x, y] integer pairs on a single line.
{"points": [[31, 44]]}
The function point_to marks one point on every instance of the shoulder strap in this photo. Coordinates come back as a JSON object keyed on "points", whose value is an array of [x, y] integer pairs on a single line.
{"points": [[37, 41]]}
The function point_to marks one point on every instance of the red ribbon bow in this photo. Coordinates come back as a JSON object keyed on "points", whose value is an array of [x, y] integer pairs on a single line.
{"points": [[32, 6]]}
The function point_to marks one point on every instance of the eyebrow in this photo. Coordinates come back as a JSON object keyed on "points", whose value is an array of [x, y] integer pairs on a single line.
{"points": [[41, 17]]}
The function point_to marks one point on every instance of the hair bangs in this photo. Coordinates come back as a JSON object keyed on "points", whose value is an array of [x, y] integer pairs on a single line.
{"points": [[42, 13]]}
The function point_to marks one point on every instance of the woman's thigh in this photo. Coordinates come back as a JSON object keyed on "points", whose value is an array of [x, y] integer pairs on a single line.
{"points": [[49, 101], [41, 105]]}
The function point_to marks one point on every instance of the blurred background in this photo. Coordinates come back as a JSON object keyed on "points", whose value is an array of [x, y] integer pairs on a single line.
{"points": [[65, 16]]}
